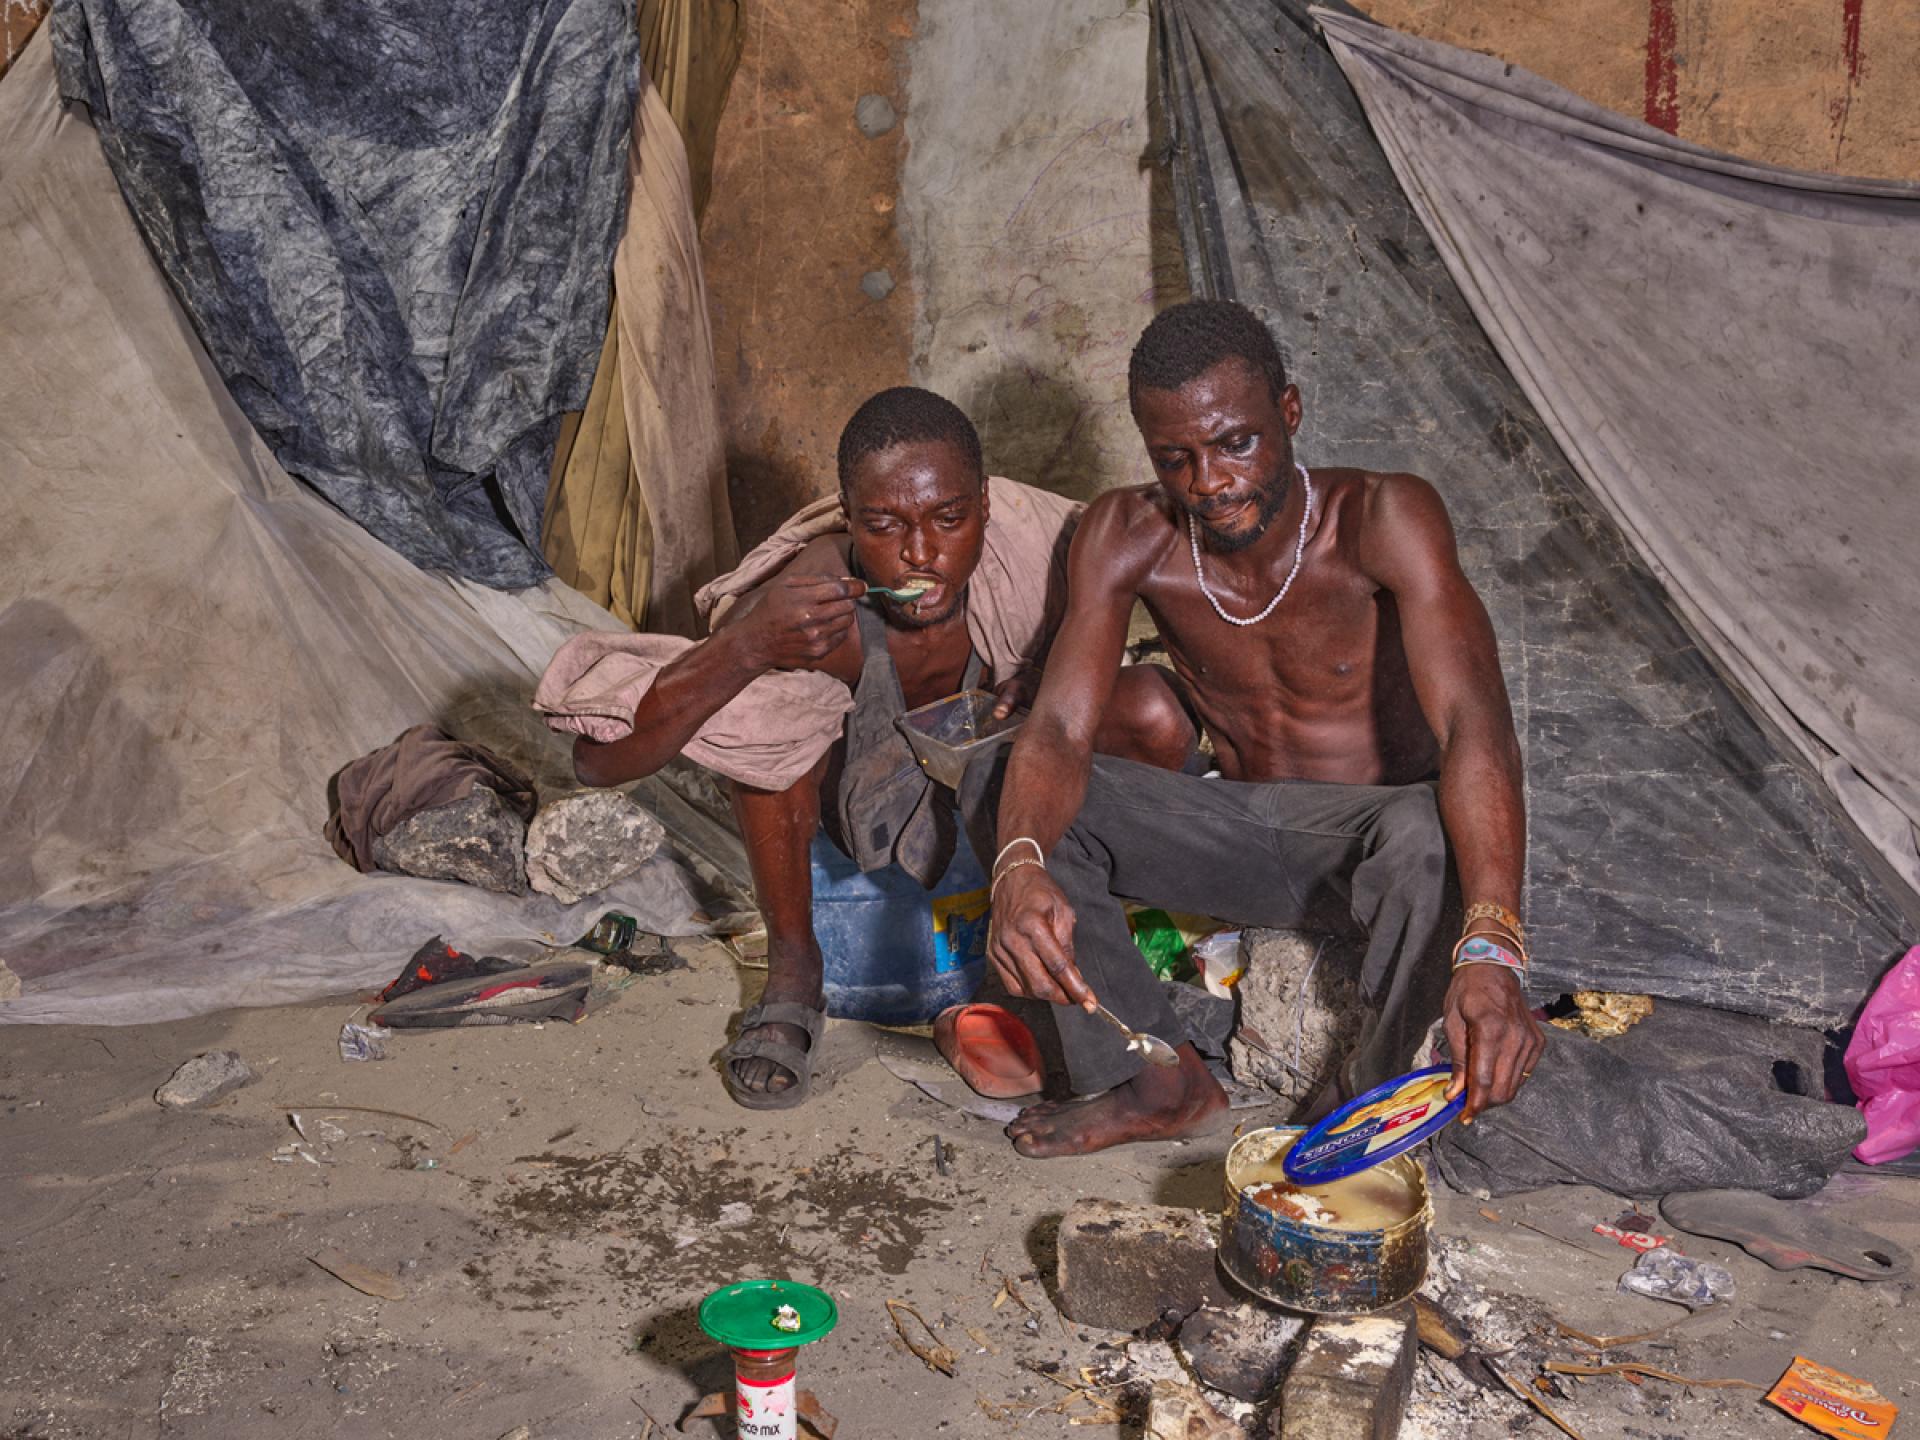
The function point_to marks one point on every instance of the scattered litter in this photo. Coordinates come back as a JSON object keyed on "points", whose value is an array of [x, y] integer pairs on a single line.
{"points": [[559, 1135], [935, 1356], [1221, 962], [329, 1133], [1664, 1275], [205, 1079], [364, 1042], [426, 1163], [1526, 1393], [734, 1215], [367, 1110], [1641, 1240], [1832, 1402], [464, 1141], [1631, 1368], [979, 1338], [367, 1281], [1604, 1014], [943, 1085], [1615, 1342], [940, 1165]]}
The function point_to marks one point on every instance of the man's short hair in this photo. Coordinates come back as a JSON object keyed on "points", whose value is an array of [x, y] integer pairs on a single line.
{"points": [[1189, 339], [902, 416]]}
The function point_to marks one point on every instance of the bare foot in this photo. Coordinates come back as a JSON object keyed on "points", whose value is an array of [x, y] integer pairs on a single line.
{"points": [[798, 981], [1157, 1104]]}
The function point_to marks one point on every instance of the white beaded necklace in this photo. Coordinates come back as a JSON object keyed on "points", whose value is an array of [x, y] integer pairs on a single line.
{"points": [[1299, 552]]}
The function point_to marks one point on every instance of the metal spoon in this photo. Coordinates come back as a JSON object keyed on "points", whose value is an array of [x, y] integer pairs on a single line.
{"points": [[1151, 1048], [908, 593]]}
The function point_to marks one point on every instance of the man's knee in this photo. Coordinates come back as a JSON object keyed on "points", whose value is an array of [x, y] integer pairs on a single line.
{"points": [[1146, 720]]}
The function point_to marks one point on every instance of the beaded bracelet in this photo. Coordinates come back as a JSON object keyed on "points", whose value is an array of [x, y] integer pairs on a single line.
{"points": [[1478, 950]]}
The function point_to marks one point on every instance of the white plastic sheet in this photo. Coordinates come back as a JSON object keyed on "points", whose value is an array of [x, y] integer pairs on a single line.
{"points": [[191, 645]]}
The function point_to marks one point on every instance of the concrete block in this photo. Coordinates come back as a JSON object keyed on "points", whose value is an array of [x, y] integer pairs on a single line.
{"points": [[1300, 1010], [1242, 1351], [1353, 1378], [1122, 1266]]}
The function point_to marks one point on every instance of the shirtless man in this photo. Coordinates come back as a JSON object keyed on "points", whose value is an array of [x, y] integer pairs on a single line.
{"points": [[1342, 664], [915, 493]]}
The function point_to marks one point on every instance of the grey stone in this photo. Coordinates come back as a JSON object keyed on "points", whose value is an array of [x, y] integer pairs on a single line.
{"points": [[578, 846], [9, 983], [1123, 1266], [478, 840], [1353, 1378], [875, 115], [1299, 1018], [877, 284], [1242, 1351], [204, 1079], [1180, 1412]]}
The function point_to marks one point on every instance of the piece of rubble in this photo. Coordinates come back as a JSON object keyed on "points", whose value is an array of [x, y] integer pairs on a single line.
{"points": [[1122, 1266], [205, 1079], [9, 983], [877, 284], [874, 115], [1243, 1350], [579, 845], [478, 840], [1180, 1412], [1353, 1378], [1300, 1010]]}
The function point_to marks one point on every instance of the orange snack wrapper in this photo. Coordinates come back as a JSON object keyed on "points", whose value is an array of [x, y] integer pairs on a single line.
{"points": [[1832, 1402]]}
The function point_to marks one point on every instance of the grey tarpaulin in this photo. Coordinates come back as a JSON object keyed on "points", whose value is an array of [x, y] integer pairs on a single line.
{"points": [[391, 224], [1728, 353], [191, 645], [1674, 848]]}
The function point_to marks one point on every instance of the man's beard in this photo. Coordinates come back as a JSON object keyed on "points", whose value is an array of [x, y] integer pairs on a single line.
{"points": [[1271, 499]]}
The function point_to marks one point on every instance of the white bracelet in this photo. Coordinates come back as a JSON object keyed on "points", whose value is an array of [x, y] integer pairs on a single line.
{"points": [[995, 886], [1017, 840]]}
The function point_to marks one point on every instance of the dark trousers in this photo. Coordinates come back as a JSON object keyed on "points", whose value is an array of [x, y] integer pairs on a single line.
{"points": [[1274, 855]]}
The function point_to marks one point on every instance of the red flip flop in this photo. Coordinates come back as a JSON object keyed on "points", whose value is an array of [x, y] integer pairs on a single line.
{"points": [[991, 1049]]}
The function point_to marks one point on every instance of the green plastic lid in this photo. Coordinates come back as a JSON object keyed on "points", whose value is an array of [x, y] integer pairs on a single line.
{"points": [[742, 1315]]}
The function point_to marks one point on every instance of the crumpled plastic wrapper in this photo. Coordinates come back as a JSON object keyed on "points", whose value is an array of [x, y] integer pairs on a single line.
{"points": [[1663, 1275], [364, 1042]]}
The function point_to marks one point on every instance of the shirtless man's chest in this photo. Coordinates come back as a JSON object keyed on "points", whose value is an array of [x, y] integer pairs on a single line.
{"points": [[1319, 689]]}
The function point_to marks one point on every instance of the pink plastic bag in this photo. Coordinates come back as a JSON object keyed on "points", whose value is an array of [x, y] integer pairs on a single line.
{"points": [[1883, 1064]]}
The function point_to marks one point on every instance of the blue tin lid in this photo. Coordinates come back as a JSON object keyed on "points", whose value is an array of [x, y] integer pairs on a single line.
{"points": [[1388, 1120]]}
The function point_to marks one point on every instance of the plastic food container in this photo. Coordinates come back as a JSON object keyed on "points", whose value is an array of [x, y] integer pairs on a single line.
{"points": [[948, 733]]}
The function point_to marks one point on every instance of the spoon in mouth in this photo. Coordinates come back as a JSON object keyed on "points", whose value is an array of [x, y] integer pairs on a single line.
{"points": [[1150, 1048], [906, 594]]}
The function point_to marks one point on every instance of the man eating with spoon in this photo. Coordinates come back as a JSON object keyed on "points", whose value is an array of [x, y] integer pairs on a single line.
{"points": [[921, 577], [1347, 675]]}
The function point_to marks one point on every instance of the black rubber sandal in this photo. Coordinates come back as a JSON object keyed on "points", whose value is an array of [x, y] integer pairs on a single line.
{"points": [[784, 1053]]}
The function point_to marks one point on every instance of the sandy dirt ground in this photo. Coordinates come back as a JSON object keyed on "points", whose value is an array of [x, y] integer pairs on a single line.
{"points": [[567, 1194]]}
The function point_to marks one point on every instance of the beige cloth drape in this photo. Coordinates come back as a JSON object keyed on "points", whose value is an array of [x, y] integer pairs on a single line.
{"points": [[600, 532]]}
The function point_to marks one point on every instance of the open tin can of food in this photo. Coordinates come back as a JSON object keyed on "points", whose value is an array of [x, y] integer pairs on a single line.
{"points": [[1346, 1248]]}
